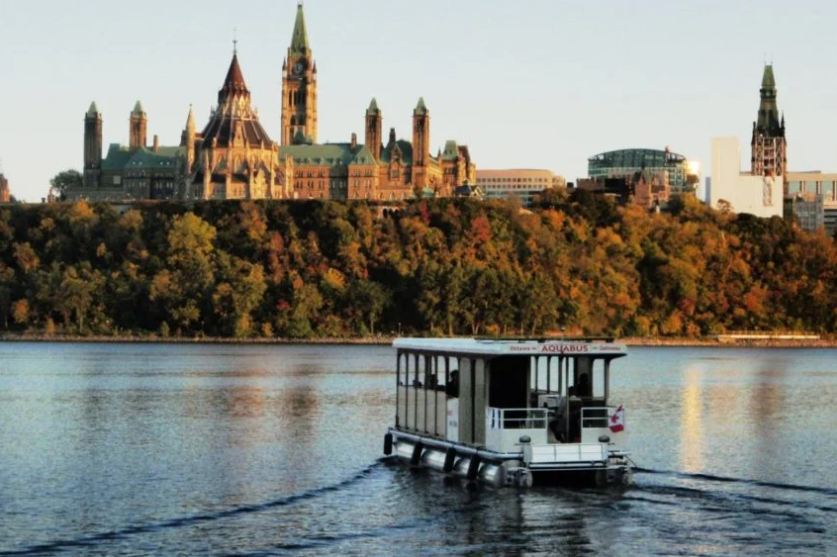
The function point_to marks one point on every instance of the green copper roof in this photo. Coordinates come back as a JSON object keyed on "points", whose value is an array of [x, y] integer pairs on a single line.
{"points": [[768, 81], [93, 110], [299, 40], [451, 150], [138, 110], [768, 121], [373, 107], [327, 154], [421, 108], [121, 157], [405, 147]]}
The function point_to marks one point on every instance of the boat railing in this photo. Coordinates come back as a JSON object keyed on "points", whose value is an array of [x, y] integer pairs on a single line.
{"points": [[517, 418], [595, 424], [596, 418]]}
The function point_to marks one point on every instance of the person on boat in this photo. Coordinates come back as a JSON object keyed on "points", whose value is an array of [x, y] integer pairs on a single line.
{"points": [[453, 385], [583, 389]]}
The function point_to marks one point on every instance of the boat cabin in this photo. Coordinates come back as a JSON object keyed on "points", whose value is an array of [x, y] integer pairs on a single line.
{"points": [[493, 394]]}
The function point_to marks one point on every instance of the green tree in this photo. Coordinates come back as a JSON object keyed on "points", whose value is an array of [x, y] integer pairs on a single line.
{"points": [[65, 181]]}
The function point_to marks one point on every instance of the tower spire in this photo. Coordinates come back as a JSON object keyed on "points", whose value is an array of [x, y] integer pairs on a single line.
{"points": [[234, 83], [299, 40]]}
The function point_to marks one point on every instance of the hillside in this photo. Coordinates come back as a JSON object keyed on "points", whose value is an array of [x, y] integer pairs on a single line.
{"points": [[312, 269]]}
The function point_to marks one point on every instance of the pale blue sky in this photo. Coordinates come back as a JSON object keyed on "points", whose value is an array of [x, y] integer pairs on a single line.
{"points": [[525, 83]]}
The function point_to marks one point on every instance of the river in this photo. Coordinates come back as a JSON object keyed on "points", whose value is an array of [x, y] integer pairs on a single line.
{"points": [[124, 449]]}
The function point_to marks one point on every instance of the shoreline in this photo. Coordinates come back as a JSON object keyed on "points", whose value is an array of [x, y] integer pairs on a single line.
{"points": [[387, 341]]}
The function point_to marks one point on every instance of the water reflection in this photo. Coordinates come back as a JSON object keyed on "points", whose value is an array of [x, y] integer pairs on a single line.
{"points": [[767, 409], [691, 420], [266, 443]]}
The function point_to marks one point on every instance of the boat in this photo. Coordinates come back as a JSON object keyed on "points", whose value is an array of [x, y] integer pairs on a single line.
{"points": [[510, 413]]}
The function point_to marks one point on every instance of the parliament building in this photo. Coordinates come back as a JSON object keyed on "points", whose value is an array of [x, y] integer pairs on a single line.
{"points": [[234, 158]]}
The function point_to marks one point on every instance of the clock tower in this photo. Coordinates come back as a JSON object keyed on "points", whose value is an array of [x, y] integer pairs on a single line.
{"points": [[299, 88]]}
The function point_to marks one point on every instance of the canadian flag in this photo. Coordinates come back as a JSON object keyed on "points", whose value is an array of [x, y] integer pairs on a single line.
{"points": [[617, 420]]}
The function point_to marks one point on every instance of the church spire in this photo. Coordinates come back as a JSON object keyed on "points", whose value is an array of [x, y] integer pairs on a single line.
{"points": [[190, 120], [234, 83], [768, 121], [299, 40]]}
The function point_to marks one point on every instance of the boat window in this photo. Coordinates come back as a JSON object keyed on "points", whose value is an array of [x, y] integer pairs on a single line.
{"points": [[440, 371], [417, 377], [507, 386], [452, 385], [598, 378], [403, 373]]}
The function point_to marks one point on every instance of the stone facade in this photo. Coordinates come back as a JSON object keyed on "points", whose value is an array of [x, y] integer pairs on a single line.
{"points": [[769, 144], [5, 192], [133, 172], [397, 170], [234, 158]]}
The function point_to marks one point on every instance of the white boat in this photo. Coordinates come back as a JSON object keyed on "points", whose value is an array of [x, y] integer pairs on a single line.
{"points": [[510, 413]]}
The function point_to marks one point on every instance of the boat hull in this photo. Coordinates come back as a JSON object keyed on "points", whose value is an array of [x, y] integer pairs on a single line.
{"points": [[501, 469]]}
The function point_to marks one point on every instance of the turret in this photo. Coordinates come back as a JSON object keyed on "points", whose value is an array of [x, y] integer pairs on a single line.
{"points": [[769, 142], [138, 128], [421, 134], [374, 127], [92, 146], [234, 85], [92, 138], [189, 141], [299, 85]]}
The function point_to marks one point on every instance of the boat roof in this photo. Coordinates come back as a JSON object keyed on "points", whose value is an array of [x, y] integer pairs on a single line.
{"points": [[495, 348]]}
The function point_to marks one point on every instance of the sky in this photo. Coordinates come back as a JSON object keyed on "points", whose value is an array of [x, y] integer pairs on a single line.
{"points": [[524, 83]]}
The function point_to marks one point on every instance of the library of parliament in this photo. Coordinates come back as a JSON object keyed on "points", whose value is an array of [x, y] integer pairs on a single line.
{"points": [[234, 157]]}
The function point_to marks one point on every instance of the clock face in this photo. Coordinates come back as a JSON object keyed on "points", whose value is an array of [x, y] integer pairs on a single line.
{"points": [[298, 68]]}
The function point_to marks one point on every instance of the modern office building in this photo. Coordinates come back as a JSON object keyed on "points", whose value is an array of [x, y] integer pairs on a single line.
{"points": [[683, 175], [522, 184], [807, 187]]}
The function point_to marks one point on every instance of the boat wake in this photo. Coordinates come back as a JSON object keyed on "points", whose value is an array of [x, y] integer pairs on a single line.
{"points": [[193, 520], [726, 479]]}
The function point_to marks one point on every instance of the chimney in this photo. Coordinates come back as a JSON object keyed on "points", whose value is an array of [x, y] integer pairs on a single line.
{"points": [[156, 144], [354, 141]]}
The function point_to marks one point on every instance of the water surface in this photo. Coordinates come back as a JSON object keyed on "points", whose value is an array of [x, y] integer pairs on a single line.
{"points": [[276, 450]]}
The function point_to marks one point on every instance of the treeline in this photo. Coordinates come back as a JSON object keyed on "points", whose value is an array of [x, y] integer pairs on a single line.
{"points": [[444, 267]]}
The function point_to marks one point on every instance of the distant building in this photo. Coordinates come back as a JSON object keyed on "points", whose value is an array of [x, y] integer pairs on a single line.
{"points": [[395, 170], [5, 192], [807, 186], [621, 189], [682, 175], [769, 144], [644, 188], [234, 158], [131, 172], [522, 184], [759, 195], [468, 190], [807, 209]]}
